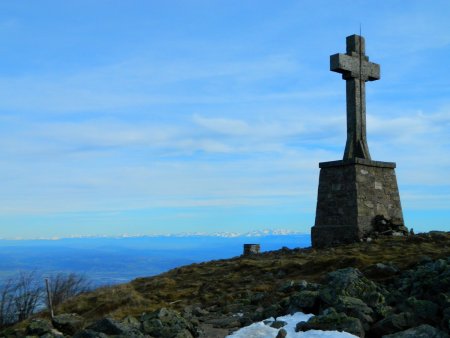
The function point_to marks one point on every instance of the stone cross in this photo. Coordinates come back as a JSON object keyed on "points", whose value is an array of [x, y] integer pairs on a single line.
{"points": [[356, 70]]}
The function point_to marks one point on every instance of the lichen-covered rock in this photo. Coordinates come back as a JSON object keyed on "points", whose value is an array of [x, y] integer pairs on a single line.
{"points": [[108, 326], [424, 310], [427, 281], [351, 282], [39, 327], [68, 323], [422, 331], [89, 334], [355, 307], [381, 270], [278, 324], [332, 320], [393, 323], [167, 323], [305, 301]]}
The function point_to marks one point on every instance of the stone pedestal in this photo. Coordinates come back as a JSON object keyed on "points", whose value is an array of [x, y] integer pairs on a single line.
{"points": [[351, 193], [251, 249]]}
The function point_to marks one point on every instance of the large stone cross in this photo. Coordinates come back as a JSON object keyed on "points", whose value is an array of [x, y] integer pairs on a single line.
{"points": [[356, 70]]}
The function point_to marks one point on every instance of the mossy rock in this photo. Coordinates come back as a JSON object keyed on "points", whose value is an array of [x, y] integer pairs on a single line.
{"points": [[331, 320]]}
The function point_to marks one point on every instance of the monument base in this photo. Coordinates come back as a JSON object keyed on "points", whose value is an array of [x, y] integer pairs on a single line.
{"points": [[351, 193]]}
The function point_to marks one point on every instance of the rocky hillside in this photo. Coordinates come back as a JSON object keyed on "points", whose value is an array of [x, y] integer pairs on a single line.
{"points": [[371, 289]]}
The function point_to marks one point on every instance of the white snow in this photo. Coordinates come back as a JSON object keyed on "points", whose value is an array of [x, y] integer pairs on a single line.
{"points": [[261, 330]]}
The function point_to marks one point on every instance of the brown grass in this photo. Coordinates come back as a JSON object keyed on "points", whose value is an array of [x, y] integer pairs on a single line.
{"points": [[226, 282]]}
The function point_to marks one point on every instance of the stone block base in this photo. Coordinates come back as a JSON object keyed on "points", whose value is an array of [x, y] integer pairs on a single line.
{"points": [[331, 235], [351, 193]]}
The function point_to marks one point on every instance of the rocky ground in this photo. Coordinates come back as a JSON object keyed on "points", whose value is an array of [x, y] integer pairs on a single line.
{"points": [[387, 287]]}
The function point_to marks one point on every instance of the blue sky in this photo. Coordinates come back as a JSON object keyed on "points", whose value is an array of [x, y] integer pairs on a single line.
{"points": [[145, 117]]}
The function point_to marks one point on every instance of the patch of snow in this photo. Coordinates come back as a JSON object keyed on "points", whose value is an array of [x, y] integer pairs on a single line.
{"points": [[261, 330]]}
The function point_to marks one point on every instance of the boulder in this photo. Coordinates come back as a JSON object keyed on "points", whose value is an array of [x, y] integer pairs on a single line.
{"points": [[393, 323], [278, 324], [89, 334], [350, 282], [384, 270], [305, 301], [422, 331], [355, 307], [446, 318], [109, 326], [424, 310], [332, 320], [68, 323], [39, 327], [168, 324], [281, 334]]}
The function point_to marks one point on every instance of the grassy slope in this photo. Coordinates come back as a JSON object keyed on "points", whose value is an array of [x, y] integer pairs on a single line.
{"points": [[227, 282]]}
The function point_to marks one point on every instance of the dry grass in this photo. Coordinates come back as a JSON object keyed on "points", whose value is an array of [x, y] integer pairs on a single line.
{"points": [[225, 282]]}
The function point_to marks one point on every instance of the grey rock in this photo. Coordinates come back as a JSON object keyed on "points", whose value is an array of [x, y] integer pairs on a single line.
{"points": [[89, 334], [131, 322], [424, 310], [108, 326], [278, 324], [168, 324], [422, 331], [281, 333], [393, 323], [351, 282], [381, 270], [39, 327], [68, 323], [332, 320], [355, 307], [305, 301]]}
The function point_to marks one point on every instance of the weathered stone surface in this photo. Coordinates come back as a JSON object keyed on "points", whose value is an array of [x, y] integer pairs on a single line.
{"points": [[351, 195], [168, 324], [393, 323], [281, 334], [381, 270], [108, 326], [350, 282], [354, 191], [278, 324], [68, 323], [39, 327], [356, 70], [332, 320], [89, 334], [356, 308], [305, 301], [422, 331], [251, 249]]}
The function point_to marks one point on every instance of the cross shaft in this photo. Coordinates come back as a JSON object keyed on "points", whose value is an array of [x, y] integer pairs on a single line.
{"points": [[356, 70]]}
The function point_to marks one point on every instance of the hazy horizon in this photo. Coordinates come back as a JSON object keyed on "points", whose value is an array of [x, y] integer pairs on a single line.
{"points": [[176, 117]]}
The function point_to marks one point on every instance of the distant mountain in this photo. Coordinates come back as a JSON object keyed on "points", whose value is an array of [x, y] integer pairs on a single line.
{"points": [[254, 233], [112, 260]]}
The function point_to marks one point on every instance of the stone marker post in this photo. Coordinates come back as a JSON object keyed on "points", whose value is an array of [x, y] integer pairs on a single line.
{"points": [[251, 249], [356, 189]]}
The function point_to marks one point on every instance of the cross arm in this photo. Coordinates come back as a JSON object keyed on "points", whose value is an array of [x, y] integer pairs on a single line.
{"points": [[342, 63], [349, 66]]}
